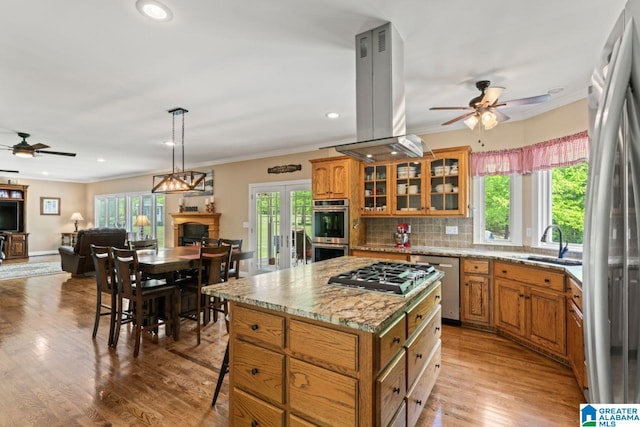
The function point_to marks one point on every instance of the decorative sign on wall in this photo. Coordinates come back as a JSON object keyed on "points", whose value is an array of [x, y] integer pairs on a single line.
{"points": [[208, 187], [284, 169]]}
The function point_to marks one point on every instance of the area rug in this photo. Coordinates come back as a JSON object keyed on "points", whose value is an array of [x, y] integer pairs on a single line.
{"points": [[29, 269]]}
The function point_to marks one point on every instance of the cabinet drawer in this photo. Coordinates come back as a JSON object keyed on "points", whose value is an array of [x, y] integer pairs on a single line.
{"points": [[419, 394], [420, 346], [256, 326], [418, 312], [258, 370], [18, 238], [540, 277], [391, 387], [390, 341], [299, 422], [574, 292], [324, 396], [400, 420], [476, 266], [249, 410], [332, 348]]}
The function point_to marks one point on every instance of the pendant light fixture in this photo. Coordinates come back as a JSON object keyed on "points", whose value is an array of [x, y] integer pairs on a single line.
{"points": [[179, 180]]}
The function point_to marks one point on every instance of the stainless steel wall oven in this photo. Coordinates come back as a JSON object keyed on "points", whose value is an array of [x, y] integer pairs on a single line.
{"points": [[330, 224]]}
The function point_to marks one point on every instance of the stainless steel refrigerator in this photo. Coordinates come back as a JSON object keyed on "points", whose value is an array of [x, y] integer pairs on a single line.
{"points": [[610, 264]]}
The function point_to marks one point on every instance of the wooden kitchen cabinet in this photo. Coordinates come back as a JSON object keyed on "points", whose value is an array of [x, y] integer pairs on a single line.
{"points": [[305, 372], [376, 189], [530, 305], [332, 177], [409, 188], [447, 187], [475, 294], [575, 333]]}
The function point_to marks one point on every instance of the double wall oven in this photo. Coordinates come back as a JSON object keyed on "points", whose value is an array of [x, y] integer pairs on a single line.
{"points": [[330, 225]]}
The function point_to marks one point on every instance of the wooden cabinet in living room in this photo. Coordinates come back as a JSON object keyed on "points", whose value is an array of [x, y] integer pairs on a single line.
{"points": [[476, 292], [530, 304], [333, 177], [13, 208]]}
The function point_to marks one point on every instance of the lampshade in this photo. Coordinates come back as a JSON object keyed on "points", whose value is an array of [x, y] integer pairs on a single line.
{"points": [[141, 221], [76, 216], [178, 180], [472, 121], [489, 120]]}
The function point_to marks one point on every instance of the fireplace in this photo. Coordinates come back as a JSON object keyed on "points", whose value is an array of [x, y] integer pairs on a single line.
{"points": [[190, 227]]}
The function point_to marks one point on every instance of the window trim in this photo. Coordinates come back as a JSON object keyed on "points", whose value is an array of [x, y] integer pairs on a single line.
{"points": [[515, 212]]}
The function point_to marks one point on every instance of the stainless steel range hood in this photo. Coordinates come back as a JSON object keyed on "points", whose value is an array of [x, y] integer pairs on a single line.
{"points": [[380, 100]]}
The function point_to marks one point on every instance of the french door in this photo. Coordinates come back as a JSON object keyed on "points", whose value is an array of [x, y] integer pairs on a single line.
{"points": [[280, 217]]}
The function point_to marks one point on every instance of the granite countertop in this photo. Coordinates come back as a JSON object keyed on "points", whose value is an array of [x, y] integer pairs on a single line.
{"points": [[519, 257], [304, 291]]}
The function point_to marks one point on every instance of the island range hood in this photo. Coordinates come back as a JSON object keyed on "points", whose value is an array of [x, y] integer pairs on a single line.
{"points": [[380, 100]]}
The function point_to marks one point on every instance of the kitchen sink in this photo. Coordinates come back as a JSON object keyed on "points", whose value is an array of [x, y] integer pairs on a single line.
{"points": [[552, 260]]}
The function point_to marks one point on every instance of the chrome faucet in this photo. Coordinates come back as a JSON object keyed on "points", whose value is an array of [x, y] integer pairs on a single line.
{"points": [[562, 250]]}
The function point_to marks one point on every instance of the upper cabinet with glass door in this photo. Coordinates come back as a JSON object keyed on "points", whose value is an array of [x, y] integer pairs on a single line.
{"points": [[448, 184], [375, 189], [409, 188]]}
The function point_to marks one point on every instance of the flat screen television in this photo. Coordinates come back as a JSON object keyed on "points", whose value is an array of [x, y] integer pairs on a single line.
{"points": [[9, 216]]}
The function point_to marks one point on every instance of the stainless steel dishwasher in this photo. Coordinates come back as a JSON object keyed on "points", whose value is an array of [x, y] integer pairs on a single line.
{"points": [[450, 283]]}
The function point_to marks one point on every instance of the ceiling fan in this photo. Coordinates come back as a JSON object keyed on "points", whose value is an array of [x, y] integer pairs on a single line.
{"points": [[24, 149], [483, 108], [8, 171]]}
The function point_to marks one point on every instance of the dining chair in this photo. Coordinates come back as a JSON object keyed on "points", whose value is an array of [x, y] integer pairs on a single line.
{"points": [[211, 269], [149, 244], [105, 281], [224, 370], [145, 295], [210, 241], [236, 245]]}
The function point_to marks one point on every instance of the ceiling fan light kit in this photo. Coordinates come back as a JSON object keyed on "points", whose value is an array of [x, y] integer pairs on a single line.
{"points": [[178, 180]]}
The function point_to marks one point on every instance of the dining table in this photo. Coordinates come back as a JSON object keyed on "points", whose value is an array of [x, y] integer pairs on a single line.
{"points": [[170, 261]]}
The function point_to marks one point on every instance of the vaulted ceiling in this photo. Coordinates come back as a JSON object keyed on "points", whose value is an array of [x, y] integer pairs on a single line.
{"points": [[97, 77]]}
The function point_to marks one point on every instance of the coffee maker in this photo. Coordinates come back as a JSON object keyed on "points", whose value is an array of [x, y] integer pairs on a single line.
{"points": [[401, 236]]}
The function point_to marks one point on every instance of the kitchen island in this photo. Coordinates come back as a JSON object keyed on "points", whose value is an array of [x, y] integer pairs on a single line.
{"points": [[303, 352]]}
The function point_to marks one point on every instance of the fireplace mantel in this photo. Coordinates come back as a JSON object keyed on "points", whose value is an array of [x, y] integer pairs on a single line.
{"points": [[206, 218]]}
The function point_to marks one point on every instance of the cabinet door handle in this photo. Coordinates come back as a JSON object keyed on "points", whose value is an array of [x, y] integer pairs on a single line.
{"points": [[547, 281], [527, 297], [254, 371], [419, 402], [419, 356], [396, 339], [437, 328], [475, 267], [254, 423], [254, 327], [504, 271], [438, 365], [576, 296], [466, 284], [571, 310], [521, 295], [437, 296], [396, 390], [418, 316]]}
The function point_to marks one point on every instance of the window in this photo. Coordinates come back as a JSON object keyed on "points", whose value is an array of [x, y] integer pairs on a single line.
{"points": [[560, 199], [497, 209], [120, 210]]}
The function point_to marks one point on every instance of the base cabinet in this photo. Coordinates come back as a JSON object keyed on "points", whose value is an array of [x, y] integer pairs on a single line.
{"points": [[476, 292], [530, 304], [16, 245], [284, 368]]}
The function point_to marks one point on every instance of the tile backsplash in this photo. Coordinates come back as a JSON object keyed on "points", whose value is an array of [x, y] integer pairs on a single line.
{"points": [[425, 231]]}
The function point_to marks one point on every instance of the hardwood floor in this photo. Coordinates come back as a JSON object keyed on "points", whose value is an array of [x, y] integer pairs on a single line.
{"points": [[53, 373]]}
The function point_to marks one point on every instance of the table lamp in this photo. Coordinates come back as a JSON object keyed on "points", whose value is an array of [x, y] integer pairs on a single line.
{"points": [[141, 221], [76, 216]]}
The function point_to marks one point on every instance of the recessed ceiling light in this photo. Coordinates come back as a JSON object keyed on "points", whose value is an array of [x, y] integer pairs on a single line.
{"points": [[45, 173], [154, 9], [101, 160], [332, 115], [169, 143]]}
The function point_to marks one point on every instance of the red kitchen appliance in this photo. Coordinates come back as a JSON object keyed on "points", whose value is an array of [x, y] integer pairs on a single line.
{"points": [[401, 236]]}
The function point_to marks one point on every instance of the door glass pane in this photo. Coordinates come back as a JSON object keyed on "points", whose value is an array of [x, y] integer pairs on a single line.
{"points": [[268, 239], [301, 212], [159, 219]]}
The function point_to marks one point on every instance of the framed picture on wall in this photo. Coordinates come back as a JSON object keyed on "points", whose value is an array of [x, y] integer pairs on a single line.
{"points": [[49, 205], [208, 186]]}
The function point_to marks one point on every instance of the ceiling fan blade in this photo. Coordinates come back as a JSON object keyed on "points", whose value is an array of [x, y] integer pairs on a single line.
{"points": [[502, 117], [39, 146], [9, 171], [57, 153], [491, 95], [462, 117], [450, 108], [526, 101]]}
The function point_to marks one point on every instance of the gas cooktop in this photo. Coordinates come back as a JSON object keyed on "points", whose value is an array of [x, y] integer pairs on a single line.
{"points": [[393, 277]]}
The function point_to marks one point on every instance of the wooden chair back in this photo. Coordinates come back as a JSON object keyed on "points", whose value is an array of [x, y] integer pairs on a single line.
{"points": [[150, 244], [127, 272], [102, 263], [214, 265], [210, 241], [236, 245]]}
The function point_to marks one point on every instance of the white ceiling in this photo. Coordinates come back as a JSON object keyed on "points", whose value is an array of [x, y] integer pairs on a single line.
{"points": [[97, 78]]}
